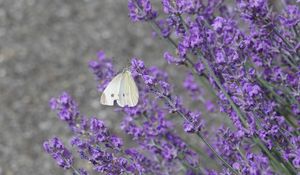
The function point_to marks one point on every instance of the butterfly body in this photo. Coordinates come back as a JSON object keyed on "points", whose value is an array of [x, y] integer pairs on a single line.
{"points": [[121, 88]]}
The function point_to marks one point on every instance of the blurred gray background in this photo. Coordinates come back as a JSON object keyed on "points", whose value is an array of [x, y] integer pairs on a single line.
{"points": [[45, 46]]}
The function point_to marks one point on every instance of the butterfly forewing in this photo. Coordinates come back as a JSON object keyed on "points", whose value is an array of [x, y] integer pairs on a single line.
{"points": [[111, 92], [128, 94]]}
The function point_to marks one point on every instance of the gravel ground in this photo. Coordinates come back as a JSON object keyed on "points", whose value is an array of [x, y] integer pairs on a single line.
{"points": [[45, 46]]}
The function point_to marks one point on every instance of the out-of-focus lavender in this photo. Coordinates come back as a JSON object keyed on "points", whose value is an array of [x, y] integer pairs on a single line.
{"points": [[241, 110]]}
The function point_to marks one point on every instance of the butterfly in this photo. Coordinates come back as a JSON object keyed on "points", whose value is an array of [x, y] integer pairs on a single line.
{"points": [[121, 88]]}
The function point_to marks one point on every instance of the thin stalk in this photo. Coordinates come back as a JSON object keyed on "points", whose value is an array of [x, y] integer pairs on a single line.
{"points": [[214, 76], [217, 154], [296, 32], [289, 121], [236, 109], [155, 27], [199, 151], [167, 99], [270, 155], [183, 22], [290, 63], [287, 163], [73, 168], [155, 144], [286, 42], [283, 39], [211, 72], [278, 98], [203, 79], [276, 32], [243, 156], [75, 171], [286, 91]]}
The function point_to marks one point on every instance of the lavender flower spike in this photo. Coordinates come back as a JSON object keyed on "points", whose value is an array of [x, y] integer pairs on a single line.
{"points": [[59, 152]]}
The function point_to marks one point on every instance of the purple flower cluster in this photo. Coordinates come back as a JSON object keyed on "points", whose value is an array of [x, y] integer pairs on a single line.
{"points": [[141, 10], [240, 100], [59, 152], [66, 108], [254, 69], [102, 67], [97, 145]]}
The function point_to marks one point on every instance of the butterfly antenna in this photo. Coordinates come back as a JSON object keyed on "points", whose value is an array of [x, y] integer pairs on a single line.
{"points": [[127, 64]]}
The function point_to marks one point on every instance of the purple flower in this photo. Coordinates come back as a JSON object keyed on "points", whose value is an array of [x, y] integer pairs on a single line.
{"points": [[253, 10], [149, 80], [142, 163], [173, 60], [97, 126], [164, 26], [251, 89], [209, 106], [245, 52], [220, 57], [291, 17], [59, 152], [66, 108], [188, 127], [295, 155], [192, 87], [141, 10], [83, 171], [181, 6], [137, 66], [218, 24], [116, 141], [102, 69], [169, 152], [199, 68]]}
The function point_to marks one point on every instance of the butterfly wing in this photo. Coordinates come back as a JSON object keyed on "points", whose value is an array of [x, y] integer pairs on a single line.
{"points": [[111, 92], [128, 94]]}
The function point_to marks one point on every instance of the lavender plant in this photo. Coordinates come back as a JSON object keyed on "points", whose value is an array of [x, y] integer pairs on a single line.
{"points": [[242, 67]]}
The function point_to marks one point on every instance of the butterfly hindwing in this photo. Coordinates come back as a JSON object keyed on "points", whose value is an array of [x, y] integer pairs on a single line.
{"points": [[128, 93], [111, 92]]}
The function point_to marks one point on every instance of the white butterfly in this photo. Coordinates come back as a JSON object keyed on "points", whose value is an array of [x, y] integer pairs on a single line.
{"points": [[121, 88]]}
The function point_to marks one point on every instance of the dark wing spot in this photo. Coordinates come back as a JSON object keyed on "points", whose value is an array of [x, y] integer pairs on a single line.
{"points": [[112, 95], [123, 95]]}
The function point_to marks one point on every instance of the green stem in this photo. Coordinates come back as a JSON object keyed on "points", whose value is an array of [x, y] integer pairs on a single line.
{"points": [[243, 156], [211, 72], [274, 161], [278, 98], [289, 121], [214, 76], [157, 29], [217, 154], [236, 109], [286, 91], [296, 32], [290, 63], [198, 134], [287, 163], [286, 42]]}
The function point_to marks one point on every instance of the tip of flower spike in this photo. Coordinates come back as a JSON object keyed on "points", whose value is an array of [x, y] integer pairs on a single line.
{"points": [[65, 107], [141, 10], [59, 152], [93, 64], [101, 55]]}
